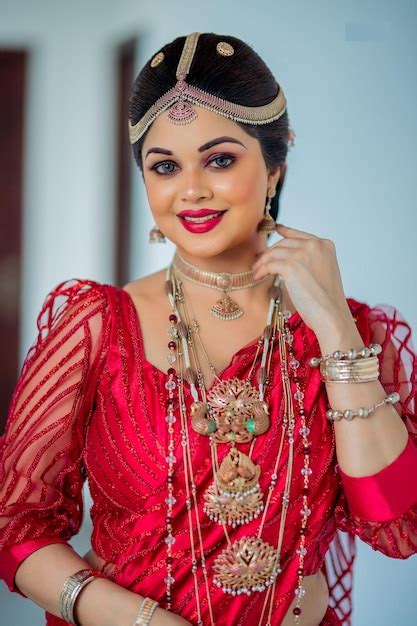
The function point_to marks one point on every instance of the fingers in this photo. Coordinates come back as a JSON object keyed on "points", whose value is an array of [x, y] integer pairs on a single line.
{"points": [[271, 263], [272, 250], [286, 231]]}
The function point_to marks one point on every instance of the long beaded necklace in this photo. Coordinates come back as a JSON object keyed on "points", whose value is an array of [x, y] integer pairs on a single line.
{"points": [[249, 564]]}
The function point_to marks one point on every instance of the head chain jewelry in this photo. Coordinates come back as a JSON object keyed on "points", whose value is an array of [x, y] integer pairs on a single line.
{"points": [[180, 98]]}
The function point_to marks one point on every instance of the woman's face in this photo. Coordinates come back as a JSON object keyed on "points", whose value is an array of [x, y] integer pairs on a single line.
{"points": [[209, 163]]}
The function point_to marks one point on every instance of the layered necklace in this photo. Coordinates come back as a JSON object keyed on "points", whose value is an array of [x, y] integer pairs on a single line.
{"points": [[232, 412]]}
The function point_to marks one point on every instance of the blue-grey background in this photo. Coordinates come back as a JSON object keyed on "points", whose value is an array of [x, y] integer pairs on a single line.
{"points": [[348, 70]]}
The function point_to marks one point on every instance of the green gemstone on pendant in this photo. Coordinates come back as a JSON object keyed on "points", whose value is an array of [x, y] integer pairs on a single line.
{"points": [[231, 435], [251, 426], [212, 426]]}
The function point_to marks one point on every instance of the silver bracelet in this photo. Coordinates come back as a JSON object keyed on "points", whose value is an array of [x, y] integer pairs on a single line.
{"points": [[349, 355], [71, 589], [335, 416], [146, 610]]}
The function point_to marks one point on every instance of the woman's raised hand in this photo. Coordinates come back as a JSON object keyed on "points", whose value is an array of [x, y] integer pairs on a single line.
{"points": [[308, 265]]}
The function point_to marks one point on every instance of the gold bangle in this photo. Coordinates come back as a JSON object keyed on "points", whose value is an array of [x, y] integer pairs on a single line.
{"points": [[71, 589], [362, 370], [145, 613]]}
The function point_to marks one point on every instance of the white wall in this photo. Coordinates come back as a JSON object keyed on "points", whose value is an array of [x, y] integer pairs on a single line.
{"points": [[348, 73]]}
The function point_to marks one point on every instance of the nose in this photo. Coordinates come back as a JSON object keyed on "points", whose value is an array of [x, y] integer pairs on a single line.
{"points": [[194, 186]]}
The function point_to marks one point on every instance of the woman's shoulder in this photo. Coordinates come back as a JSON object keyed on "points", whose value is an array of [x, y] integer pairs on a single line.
{"points": [[147, 287], [88, 293], [65, 310], [70, 291]]}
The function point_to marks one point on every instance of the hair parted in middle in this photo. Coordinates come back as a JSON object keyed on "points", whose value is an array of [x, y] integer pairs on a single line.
{"points": [[242, 77]]}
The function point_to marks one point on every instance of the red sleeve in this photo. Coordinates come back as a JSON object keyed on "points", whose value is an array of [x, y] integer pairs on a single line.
{"points": [[381, 509], [41, 469]]}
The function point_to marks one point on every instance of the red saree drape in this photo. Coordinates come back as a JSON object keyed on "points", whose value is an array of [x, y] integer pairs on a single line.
{"points": [[88, 405]]}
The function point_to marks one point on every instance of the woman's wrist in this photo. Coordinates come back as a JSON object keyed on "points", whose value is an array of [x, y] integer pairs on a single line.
{"points": [[128, 614], [339, 334]]}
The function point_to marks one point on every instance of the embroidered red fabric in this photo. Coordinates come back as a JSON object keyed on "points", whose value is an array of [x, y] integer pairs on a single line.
{"points": [[88, 405]]}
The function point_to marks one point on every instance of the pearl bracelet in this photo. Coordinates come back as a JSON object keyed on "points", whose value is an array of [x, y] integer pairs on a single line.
{"points": [[349, 414], [350, 355]]}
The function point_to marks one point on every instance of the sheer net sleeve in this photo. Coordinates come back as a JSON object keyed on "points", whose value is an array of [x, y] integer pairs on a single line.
{"points": [[41, 468], [390, 494]]}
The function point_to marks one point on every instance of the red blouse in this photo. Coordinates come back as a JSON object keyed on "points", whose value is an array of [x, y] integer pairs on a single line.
{"points": [[88, 405]]}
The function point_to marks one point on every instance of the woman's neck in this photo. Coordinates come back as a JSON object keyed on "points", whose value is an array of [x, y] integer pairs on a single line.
{"points": [[232, 261]]}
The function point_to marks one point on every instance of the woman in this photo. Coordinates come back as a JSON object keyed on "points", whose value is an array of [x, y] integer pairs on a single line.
{"points": [[221, 459]]}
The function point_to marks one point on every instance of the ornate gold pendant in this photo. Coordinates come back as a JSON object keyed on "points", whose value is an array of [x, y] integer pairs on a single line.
{"points": [[233, 412], [248, 565], [226, 309], [235, 497]]}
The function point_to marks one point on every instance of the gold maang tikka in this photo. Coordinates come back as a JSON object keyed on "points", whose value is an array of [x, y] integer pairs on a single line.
{"points": [[225, 308]]}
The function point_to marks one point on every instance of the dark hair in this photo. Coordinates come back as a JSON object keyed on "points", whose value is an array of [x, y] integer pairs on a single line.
{"points": [[243, 78]]}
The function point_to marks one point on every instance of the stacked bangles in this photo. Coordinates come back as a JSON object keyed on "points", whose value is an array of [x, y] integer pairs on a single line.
{"points": [[78, 581], [146, 610], [352, 366], [71, 590]]}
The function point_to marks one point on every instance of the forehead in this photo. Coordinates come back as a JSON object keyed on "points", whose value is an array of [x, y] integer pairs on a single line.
{"points": [[207, 125]]}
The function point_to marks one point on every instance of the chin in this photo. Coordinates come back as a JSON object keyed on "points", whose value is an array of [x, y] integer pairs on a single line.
{"points": [[202, 249]]}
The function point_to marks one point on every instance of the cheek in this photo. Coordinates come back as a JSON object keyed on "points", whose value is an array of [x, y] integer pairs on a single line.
{"points": [[159, 195], [245, 187]]}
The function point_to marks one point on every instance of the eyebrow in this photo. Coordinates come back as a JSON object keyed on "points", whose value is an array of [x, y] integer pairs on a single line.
{"points": [[206, 146]]}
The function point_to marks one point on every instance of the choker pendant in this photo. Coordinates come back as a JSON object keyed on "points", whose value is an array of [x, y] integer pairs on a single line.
{"points": [[226, 309]]}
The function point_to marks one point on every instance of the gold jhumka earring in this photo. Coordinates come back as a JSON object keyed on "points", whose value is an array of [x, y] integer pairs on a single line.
{"points": [[268, 223], [156, 235]]}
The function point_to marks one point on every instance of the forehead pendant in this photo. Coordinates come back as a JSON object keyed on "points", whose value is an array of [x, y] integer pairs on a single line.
{"points": [[182, 112]]}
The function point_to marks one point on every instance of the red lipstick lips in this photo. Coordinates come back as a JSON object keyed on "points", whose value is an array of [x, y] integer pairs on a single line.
{"points": [[197, 213], [200, 226]]}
